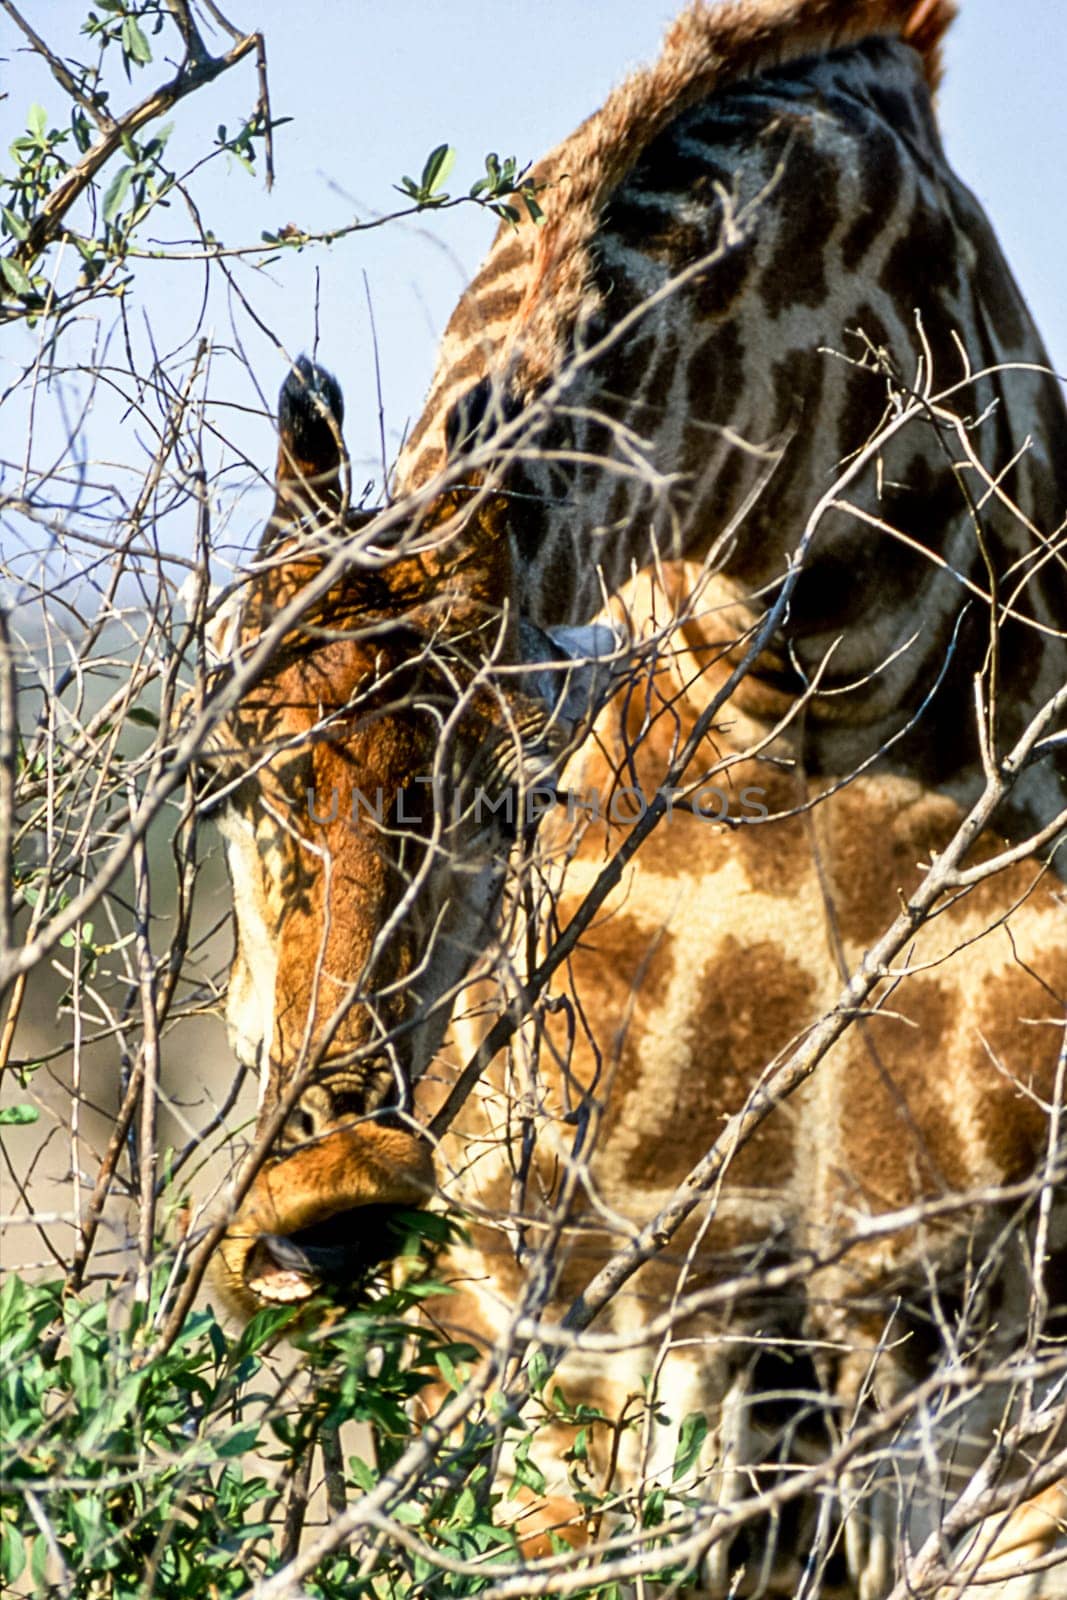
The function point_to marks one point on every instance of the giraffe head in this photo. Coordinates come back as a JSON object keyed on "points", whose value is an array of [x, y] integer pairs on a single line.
{"points": [[403, 727]]}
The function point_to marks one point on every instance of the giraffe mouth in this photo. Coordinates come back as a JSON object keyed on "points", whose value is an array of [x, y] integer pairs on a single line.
{"points": [[339, 1252], [322, 1216]]}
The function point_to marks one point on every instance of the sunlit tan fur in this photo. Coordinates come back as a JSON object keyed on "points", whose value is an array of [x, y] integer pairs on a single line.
{"points": [[718, 949]]}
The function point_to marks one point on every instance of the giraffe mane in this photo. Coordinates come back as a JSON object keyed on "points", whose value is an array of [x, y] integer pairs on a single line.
{"points": [[707, 48]]}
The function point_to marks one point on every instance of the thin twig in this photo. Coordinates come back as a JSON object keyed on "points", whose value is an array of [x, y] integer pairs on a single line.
{"points": [[333, 1463], [48, 223], [148, 1144], [89, 103], [8, 773], [296, 1505]]}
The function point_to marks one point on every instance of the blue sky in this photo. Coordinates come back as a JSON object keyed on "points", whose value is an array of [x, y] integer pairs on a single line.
{"points": [[372, 86]]}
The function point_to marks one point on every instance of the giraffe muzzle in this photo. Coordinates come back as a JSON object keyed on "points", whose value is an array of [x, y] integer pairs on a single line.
{"points": [[322, 1215]]}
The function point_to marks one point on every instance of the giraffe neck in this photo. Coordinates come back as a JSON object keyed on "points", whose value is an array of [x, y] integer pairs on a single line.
{"points": [[778, 264], [535, 285]]}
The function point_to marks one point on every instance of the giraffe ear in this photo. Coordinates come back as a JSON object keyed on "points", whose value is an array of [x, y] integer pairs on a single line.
{"points": [[311, 410], [571, 671]]}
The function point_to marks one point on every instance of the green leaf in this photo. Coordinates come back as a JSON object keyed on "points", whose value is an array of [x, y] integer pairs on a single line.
{"points": [[465, 1507], [363, 1476], [25, 1313], [116, 193], [13, 1297], [538, 1370], [134, 42], [142, 715], [527, 1472], [261, 1329], [17, 227], [37, 121], [691, 1436], [408, 1227], [39, 1562], [448, 1372], [240, 1442], [439, 164], [12, 1553], [17, 1116], [86, 1516], [410, 1514], [83, 134], [16, 277], [161, 135]]}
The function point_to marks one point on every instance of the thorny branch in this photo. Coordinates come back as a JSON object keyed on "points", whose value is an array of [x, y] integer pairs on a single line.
{"points": [[198, 69], [74, 789]]}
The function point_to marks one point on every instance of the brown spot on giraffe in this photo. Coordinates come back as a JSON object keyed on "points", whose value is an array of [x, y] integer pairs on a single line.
{"points": [[1017, 1042], [875, 847], [907, 1143]]}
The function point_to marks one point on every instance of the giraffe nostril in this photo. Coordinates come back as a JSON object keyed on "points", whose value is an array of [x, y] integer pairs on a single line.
{"points": [[303, 1124], [314, 1115]]}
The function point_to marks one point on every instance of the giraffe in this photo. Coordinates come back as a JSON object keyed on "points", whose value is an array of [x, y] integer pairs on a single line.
{"points": [[761, 315]]}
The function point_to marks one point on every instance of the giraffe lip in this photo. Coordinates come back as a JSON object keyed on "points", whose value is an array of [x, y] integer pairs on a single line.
{"points": [[311, 1260], [325, 1215], [276, 1276]]}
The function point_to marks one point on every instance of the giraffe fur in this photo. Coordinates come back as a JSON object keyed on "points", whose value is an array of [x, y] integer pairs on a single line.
{"points": [[758, 278]]}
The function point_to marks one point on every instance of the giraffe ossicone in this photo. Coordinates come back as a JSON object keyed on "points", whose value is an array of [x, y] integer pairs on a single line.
{"points": [[753, 436]]}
